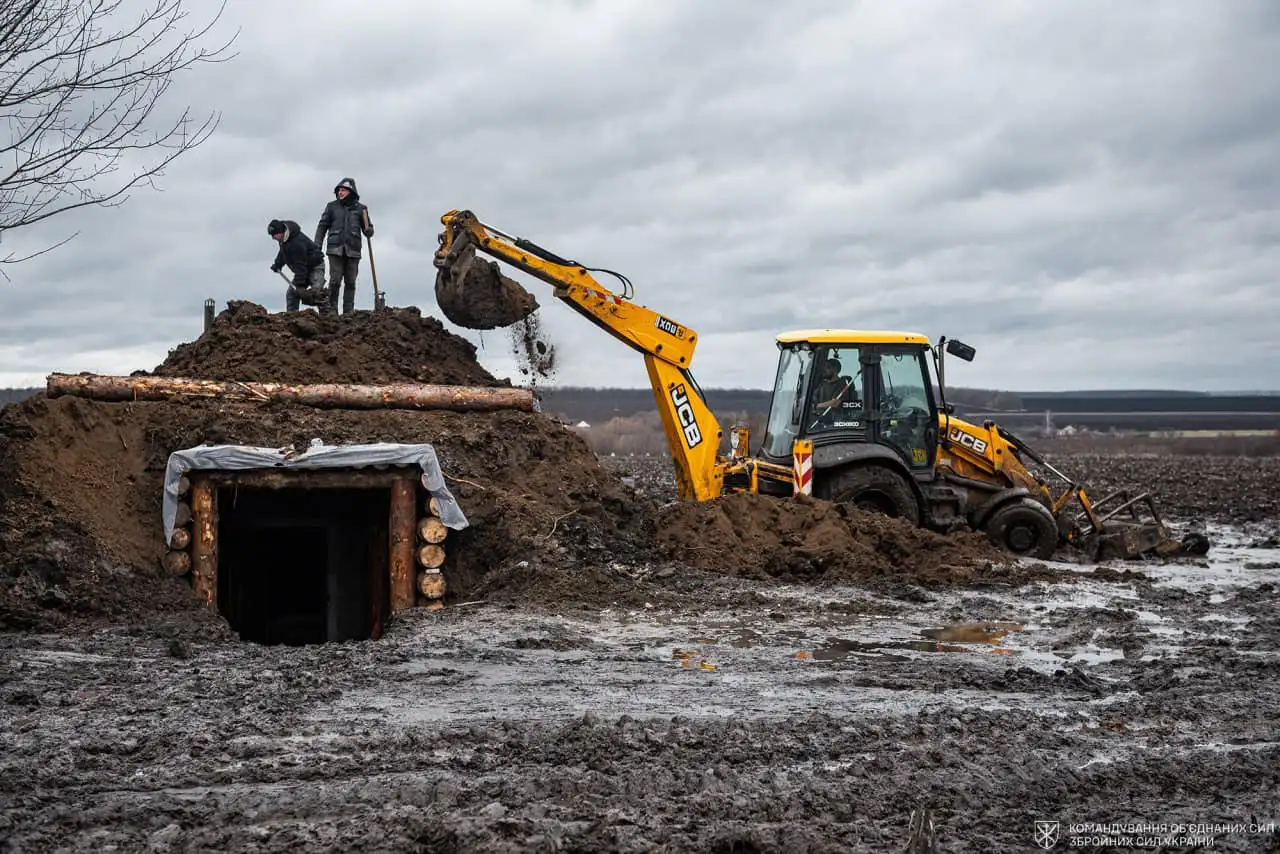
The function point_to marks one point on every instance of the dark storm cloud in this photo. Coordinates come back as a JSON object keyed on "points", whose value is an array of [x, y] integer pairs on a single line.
{"points": [[1084, 191]]}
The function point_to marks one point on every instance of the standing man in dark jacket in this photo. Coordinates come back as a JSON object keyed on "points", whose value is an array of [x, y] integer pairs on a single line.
{"points": [[305, 260], [344, 220]]}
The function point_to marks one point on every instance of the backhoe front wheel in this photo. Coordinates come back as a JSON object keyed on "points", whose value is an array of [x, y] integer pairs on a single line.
{"points": [[1024, 527], [878, 489]]}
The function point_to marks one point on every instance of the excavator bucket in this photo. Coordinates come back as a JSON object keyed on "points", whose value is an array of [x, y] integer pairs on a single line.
{"points": [[1111, 527], [1118, 529], [473, 293]]}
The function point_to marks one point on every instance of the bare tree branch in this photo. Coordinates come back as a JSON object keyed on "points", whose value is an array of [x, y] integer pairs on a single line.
{"points": [[80, 87]]}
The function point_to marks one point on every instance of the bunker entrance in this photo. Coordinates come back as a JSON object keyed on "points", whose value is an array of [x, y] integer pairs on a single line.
{"points": [[302, 566], [328, 545]]}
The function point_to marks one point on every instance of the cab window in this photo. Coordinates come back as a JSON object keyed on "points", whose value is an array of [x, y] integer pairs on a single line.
{"points": [[835, 393], [787, 407], [905, 405]]}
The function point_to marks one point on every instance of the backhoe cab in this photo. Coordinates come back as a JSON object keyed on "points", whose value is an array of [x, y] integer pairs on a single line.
{"points": [[856, 416]]}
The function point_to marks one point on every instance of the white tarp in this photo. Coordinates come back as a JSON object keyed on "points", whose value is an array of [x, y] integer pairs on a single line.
{"points": [[317, 456]]}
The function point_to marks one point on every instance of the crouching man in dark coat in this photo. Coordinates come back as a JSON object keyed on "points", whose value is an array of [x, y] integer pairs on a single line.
{"points": [[341, 223], [304, 258]]}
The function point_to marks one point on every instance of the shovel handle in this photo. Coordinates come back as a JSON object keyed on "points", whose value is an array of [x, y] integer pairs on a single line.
{"points": [[373, 268]]}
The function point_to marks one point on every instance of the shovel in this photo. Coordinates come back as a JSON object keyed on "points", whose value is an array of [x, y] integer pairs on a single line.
{"points": [[379, 301], [307, 296]]}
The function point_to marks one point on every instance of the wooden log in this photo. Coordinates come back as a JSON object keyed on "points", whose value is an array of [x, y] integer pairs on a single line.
{"points": [[319, 395], [431, 556], [431, 584], [184, 485], [180, 540], [182, 515], [432, 530], [204, 540], [177, 563], [402, 517], [434, 605], [433, 506]]}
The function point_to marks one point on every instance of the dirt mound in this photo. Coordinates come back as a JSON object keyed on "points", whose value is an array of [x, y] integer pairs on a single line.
{"points": [[250, 344], [805, 540], [81, 481], [80, 502]]}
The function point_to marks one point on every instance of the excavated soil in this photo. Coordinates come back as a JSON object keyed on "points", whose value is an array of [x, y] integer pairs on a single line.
{"points": [[476, 295], [82, 516], [250, 344], [80, 507], [617, 673], [806, 540]]}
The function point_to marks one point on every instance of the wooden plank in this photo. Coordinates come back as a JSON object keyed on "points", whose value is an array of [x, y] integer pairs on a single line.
{"points": [[204, 540], [403, 519]]}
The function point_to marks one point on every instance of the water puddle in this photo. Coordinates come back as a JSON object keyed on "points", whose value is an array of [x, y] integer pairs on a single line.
{"points": [[958, 637], [692, 659]]}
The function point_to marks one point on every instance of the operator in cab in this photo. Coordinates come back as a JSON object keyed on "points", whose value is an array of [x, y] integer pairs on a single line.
{"points": [[831, 390]]}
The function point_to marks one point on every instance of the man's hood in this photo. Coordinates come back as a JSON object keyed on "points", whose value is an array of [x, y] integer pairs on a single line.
{"points": [[350, 184]]}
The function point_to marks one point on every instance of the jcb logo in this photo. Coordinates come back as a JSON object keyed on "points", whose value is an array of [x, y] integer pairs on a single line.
{"points": [[669, 327], [684, 412], [967, 441]]}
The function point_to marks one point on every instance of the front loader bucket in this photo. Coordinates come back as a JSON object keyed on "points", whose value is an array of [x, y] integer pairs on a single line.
{"points": [[473, 293], [1124, 533]]}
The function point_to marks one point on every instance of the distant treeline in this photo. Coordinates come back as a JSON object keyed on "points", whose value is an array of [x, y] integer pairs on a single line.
{"points": [[13, 395], [597, 405]]}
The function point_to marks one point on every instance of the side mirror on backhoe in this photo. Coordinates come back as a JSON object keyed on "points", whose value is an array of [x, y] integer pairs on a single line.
{"points": [[961, 350]]}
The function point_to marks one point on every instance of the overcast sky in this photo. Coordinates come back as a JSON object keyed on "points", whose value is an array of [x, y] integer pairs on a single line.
{"points": [[1086, 192]]}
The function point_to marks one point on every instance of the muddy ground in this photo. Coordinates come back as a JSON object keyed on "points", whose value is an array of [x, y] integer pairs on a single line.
{"points": [[669, 709], [612, 672]]}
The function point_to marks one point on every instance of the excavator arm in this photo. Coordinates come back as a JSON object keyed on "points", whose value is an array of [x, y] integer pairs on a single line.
{"points": [[475, 294]]}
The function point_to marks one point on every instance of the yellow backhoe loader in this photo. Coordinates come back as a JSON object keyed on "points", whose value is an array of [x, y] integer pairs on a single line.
{"points": [[856, 415]]}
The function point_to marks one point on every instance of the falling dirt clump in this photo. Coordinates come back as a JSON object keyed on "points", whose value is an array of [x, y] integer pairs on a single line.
{"points": [[397, 345], [535, 355], [809, 540]]}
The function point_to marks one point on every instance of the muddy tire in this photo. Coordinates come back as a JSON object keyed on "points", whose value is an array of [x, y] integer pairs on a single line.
{"points": [[1024, 527], [876, 488]]}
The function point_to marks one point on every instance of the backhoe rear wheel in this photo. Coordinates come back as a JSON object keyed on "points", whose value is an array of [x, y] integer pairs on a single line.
{"points": [[1024, 527], [876, 488]]}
